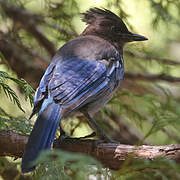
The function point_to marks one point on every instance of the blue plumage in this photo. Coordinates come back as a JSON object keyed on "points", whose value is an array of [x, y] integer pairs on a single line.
{"points": [[63, 85], [75, 77], [83, 76], [43, 133]]}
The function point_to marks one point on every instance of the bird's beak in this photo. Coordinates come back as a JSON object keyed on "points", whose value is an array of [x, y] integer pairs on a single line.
{"points": [[137, 37], [128, 37]]}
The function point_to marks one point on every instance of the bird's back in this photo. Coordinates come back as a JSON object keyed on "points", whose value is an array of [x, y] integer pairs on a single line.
{"points": [[89, 47], [94, 49]]}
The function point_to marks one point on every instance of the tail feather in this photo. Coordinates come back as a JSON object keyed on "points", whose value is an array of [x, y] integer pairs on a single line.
{"points": [[43, 133]]}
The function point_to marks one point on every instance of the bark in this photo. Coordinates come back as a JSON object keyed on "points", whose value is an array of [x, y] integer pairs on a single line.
{"points": [[111, 155]]}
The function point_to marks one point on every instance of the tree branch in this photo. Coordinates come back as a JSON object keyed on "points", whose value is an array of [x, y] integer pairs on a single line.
{"points": [[151, 77], [29, 22], [60, 29], [19, 61], [111, 155], [146, 57]]}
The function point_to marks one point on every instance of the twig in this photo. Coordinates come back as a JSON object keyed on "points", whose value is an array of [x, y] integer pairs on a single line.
{"points": [[31, 52], [151, 77], [111, 155], [60, 29], [147, 57], [29, 22], [163, 129], [19, 62], [125, 134], [176, 138]]}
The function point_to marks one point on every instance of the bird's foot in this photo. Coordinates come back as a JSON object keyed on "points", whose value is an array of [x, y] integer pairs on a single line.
{"points": [[96, 128], [104, 138]]}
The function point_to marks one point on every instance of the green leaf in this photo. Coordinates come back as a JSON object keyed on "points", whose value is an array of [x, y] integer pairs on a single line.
{"points": [[28, 90], [11, 95]]}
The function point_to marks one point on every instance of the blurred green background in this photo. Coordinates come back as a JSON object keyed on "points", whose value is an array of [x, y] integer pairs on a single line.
{"points": [[147, 105]]}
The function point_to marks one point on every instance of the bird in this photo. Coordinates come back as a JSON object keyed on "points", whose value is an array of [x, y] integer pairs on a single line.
{"points": [[82, 77]]}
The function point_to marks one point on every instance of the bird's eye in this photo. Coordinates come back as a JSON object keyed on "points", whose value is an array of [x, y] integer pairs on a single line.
{"points": [[115, 29]]}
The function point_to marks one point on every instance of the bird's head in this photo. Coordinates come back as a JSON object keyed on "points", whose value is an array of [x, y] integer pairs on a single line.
{"points": [[104, 23]]}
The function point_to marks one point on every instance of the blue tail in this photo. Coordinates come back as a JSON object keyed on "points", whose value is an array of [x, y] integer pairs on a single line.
{"points": [[43, 133]]}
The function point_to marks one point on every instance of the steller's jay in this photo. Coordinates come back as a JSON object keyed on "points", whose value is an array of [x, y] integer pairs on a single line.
{"points": [[83, 75]]}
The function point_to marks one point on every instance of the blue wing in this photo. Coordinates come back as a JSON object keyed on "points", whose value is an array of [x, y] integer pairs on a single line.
{"points": [[41, 92], [73, 78], [69, 80]]}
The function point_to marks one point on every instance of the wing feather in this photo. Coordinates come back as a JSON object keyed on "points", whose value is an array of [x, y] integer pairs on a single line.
{"points": [[74, 76]]}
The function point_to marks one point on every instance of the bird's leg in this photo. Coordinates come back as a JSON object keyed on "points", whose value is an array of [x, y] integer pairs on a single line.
{"points": [[96, 127], [63, 134]]}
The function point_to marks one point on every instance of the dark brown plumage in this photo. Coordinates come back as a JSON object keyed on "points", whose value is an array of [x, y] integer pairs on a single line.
{"points": [[105, 24]]}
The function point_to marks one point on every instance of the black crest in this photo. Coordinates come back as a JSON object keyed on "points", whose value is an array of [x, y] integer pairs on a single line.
{"points": [[95, 14]]}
